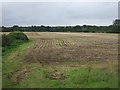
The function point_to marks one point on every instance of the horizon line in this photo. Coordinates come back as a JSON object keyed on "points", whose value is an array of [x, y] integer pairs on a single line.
{"points": [[52, 25]]}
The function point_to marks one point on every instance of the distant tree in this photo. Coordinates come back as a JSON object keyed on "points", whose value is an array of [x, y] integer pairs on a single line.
{"points": [[3, 27], [116, 26], [16, 28], [84, 26], [116, 22]]}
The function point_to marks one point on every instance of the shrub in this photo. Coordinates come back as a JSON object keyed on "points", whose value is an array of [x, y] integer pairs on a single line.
{"points": [[17, 36], [5, 40], [13, 38]]}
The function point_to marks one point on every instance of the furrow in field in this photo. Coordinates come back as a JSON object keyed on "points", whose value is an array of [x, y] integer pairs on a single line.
{"points": [[55, 44], [44, 42], [60, 43], [52, 43], [49, 44], [64, 42], [40, 44], [40, 49]]}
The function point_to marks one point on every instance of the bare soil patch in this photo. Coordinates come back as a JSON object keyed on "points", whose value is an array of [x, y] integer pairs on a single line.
{"points": [[18, 75]]}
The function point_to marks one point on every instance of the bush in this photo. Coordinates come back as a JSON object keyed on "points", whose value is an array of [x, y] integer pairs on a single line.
{"points": [[13, 38], [5, 40], [17, 36]]}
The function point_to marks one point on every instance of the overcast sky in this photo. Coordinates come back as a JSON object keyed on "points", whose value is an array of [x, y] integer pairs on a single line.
{"points": [[59, 13]]}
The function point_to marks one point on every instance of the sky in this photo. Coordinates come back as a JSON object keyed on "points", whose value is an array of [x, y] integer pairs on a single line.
{"points": [[59, 13]]}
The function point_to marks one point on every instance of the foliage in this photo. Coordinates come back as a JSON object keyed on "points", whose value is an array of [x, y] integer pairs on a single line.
{"points": [[77, 28], [116, 22], [17, 36], [13, 39], [5, 40], [116, 26]]}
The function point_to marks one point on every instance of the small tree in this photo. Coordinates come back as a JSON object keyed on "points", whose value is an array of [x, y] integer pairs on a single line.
{"points": [[16, 28], [116, 26], [116, 22]]}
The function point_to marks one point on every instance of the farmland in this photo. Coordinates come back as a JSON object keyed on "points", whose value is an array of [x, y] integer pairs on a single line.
{"points": [[63, 60]]}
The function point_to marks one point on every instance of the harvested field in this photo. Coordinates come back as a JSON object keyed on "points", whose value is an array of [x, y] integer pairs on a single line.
{"points": [[62, 60], [64, 47]]}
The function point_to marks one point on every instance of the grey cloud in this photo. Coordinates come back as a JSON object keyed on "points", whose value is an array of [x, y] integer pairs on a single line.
{"points": [[54, 13]]}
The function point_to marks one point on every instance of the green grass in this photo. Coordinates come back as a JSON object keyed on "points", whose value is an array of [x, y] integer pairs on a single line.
{"points": [[97, 79], [75, 78], [11, 61], [15, 44], [0, 67]]}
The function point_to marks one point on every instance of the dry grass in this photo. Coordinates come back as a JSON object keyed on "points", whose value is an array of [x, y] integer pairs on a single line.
{"points": [[63, 47]]}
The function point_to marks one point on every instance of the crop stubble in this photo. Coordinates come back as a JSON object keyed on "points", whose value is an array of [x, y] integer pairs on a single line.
{"points": [[60, 47]]}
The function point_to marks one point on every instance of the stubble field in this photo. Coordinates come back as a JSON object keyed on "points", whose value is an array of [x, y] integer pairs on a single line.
{"points": [[63, 47], [57, 59]]}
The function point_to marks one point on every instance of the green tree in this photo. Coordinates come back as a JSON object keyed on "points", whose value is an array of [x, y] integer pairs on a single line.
{"points": [[116, 22], [116, 26]]}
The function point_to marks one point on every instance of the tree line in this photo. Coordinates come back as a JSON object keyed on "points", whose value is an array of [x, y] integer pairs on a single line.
{"points": [[85, 28]]}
